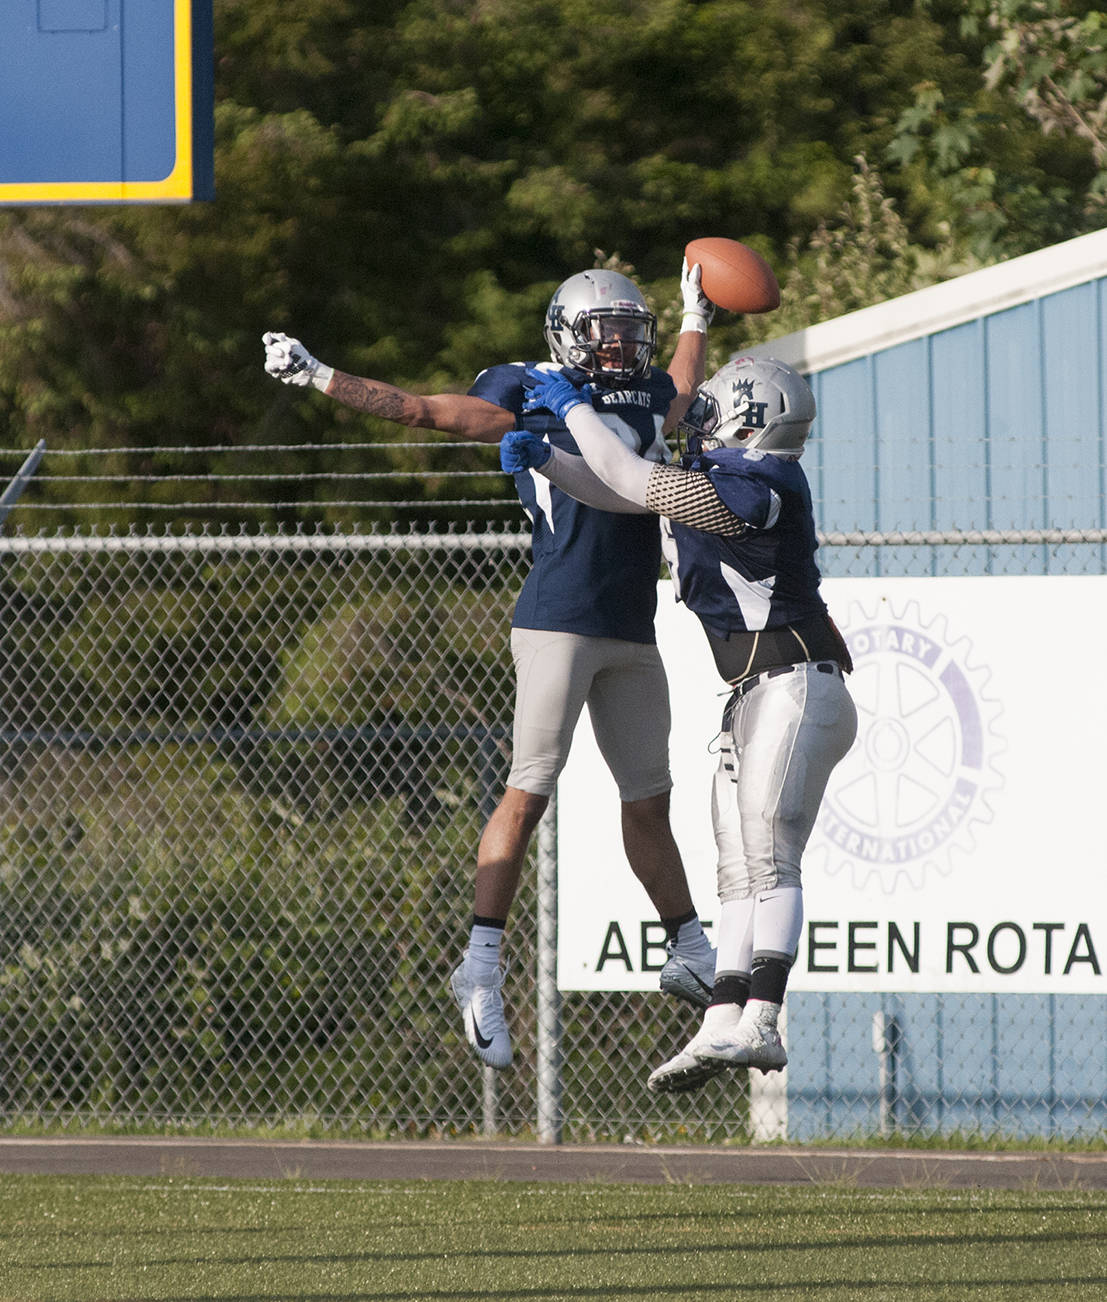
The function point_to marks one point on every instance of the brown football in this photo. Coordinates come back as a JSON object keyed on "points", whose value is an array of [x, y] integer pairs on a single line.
{"points": [[733, 275]]}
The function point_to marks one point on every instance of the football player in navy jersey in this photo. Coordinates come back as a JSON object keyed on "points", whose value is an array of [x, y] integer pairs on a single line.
{"points": [[582, 631], [741, 549]]}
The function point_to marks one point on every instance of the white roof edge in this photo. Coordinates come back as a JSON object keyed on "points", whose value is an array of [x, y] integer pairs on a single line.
{"points": [[939, 307]]}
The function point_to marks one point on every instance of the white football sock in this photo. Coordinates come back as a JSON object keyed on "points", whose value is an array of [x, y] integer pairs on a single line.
{"points": [[720, 1017], [691, 940], [778, 921], [484, 953], [735, 953]]}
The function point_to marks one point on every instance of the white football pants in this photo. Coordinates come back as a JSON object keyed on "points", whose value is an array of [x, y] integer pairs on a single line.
{"points": [[786, 735]]}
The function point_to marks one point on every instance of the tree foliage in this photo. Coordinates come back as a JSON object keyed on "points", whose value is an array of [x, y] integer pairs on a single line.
{"points": [[404, 187], [1016, 155]]}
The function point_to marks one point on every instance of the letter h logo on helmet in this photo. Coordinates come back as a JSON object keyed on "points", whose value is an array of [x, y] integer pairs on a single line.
{"points": [[751, 414]]}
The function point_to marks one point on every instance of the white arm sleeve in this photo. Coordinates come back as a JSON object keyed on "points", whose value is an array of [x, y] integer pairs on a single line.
{"points": [[688, 497], [573, 476], [621, 470]]}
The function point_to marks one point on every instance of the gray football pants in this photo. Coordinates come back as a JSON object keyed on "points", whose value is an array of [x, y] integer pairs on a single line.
{"points": [[627, 694]]}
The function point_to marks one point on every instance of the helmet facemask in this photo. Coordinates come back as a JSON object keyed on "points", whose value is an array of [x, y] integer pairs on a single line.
{"points": [[613, 343], [698, 424], [599, 323]]}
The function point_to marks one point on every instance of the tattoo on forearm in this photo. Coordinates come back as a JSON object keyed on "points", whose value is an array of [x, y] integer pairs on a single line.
{"points": [[365, 395]]}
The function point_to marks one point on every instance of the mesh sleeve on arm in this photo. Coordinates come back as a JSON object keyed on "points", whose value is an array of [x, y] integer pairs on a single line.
{"points": [[689, 497]]}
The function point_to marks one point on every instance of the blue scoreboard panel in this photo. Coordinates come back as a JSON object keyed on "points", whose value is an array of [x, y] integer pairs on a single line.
{"points": [[105, 101]]}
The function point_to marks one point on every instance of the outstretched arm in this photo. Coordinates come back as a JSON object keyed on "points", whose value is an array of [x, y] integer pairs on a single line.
{"points": [[521, 450], [689, 362], [609, 457], [687, 372], [574, 476], [623, 471], [686, 496], [459, 414]]}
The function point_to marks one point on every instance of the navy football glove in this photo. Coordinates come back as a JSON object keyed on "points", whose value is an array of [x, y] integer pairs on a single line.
{"points": [[522, 450], [556, 393]]}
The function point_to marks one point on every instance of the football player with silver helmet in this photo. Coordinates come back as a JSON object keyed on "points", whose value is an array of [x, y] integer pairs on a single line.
{"points": [[582, 631], [599, 323], [750, 403], [741, 551]]}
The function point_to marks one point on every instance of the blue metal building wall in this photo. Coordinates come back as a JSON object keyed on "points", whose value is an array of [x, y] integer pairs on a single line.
{"points": [[995, 423]]}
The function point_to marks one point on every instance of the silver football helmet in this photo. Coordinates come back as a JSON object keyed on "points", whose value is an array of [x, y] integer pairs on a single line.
{"points": [[751, 402], [599, 323]]}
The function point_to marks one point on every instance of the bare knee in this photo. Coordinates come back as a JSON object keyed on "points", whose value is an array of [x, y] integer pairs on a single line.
{"points": [[651, 811], [518, 813]]}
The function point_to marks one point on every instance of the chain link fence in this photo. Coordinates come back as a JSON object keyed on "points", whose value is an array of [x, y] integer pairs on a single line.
{"points": [[243, 782]]}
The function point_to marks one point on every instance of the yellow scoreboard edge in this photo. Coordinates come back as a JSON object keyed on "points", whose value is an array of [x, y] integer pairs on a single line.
{"points": [[179, 186]]}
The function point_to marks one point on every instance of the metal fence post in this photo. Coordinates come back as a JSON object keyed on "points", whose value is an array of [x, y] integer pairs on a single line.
{"points": [[549, 1001], [489, 1102], [886, 1045]]}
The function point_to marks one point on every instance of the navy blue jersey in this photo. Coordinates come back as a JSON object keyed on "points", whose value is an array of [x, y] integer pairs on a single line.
{"points": [[594, 572], [767, 576]]}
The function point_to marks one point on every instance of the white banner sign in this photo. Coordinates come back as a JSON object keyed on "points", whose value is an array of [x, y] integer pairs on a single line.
{"points": [[960, 847]]}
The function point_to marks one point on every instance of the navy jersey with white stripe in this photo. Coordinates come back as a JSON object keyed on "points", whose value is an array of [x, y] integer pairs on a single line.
{"points": [[767, 576], [593, 572]]}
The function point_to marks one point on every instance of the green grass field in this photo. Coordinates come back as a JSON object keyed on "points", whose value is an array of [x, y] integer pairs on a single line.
{"points": [[66, 1239]]}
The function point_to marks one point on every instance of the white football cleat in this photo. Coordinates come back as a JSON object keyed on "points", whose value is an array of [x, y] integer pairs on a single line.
{"points": [[682, 1073], [687, 978], [750, 1044], [687, 1070], [482, 1007]]}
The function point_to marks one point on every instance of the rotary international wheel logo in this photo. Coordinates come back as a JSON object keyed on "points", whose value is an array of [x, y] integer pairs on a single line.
{"points": [[919, 778]]}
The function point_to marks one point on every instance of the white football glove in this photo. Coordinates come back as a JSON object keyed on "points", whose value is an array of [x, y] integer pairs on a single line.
{"points": [[289, 361], [698, 308]]}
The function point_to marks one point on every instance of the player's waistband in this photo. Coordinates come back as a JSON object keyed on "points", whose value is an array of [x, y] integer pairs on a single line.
{"points": [[755, 680], [743, 654], [748, 684]]}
